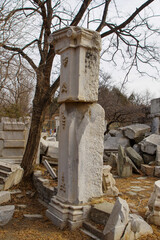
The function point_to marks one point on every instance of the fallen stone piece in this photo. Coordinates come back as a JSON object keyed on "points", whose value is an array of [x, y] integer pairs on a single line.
{"points": [[6, 213], [124, 167], [112, 142], [50, 169], [134, 156], [117, 221], [135, 131], [109, 182], [149, 144], [5, 196], [153, 214], [147, 170]]}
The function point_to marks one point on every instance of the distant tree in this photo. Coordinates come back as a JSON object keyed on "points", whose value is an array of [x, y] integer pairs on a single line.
{"points": [[26, 25]]}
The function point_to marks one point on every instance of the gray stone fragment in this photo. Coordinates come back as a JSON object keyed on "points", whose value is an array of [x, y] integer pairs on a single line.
{"points": [[136, 131], [124, 167], [134, 156], [4, 196], [6, 213], [149, 144], [33, 216]]}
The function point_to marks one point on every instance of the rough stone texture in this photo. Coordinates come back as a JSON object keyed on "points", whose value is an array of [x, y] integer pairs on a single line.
{"points": [[109, 182], [135, 131], [113, 142], [43, 187], [5, 196], [6, 213], [147, 158], [101, 212], [157, 171], [149, 144], [81, 148], [153, 215], [14, 144], [147, 170], [13, 126], [155, 125], [117, 221], [124, 167], [79, 49], [155, 106], [134, 156]]}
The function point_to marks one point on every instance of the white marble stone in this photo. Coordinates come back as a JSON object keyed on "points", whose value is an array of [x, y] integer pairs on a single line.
{"points": [[136, 130], [80, 152], [79, 49], [155, 125], [5, 196], [149, 144], [117, 221], [6, 213]]}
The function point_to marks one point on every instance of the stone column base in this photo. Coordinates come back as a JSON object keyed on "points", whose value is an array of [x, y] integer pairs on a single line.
{"points": [[62, 214]]}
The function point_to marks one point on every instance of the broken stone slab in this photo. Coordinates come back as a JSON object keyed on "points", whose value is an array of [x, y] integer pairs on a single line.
{"points": [[112, 143], [134, 156], [153, 214], [50, 169], [6, 213], [149, 144], [14, 178], [5, 196], [136, 228], [117, 221], [124, 167], [53, 149], [147, 170], [136, 131]]}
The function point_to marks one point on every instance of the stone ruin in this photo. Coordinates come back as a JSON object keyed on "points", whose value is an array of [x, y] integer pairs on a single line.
{"points": [[81, 126]]}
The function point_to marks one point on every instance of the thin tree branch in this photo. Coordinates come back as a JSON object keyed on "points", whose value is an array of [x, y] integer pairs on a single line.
{"points": [[102, 24]]}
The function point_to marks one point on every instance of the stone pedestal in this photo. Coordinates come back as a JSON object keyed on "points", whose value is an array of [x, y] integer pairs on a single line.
{"points": [[81, 133]]}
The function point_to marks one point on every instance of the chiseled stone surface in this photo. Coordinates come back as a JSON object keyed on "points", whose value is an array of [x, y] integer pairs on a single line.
{"points": [[136, 130], [117, 221], [80, 152], [6, 213], [79, 49]]}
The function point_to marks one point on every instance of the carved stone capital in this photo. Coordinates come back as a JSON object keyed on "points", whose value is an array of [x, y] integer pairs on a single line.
{"points": [[72, 37]]}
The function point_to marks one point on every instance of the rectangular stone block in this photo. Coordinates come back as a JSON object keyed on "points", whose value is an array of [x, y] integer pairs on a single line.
{"points": [[80, 152], [13, 126], [11, 152], [14, 143], [12, 135], [79, 82]]}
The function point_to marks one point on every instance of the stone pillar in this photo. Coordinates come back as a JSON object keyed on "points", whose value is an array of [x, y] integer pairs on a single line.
{"points": [[155, 125], [82, 126]]}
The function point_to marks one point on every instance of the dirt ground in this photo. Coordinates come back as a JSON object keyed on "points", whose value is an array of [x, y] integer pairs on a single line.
{"points": [[20, 228]]}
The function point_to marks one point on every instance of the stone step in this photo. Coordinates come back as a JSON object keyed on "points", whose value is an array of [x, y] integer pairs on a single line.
{"points": [[5, 167], [91, 229], [4, 173]]}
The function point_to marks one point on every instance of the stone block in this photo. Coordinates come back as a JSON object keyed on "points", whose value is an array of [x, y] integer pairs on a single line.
{"points": [[79, 49], [155, 125], [12, 135], [124, 166], [5, 196], [6, 213], [135, 131], [80, 152], [147, 158], [158, 156], [117, 221], [149, 144], [147, 170], [14, 143], [53, 149], [112, 143], [12, 152], [13, 126]]}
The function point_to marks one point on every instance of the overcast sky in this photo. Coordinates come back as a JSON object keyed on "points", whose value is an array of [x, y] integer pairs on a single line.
{"points": [[136, 82]]}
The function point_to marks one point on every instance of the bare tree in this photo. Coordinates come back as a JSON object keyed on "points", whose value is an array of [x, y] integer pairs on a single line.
{"points": [[26, 26]]}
